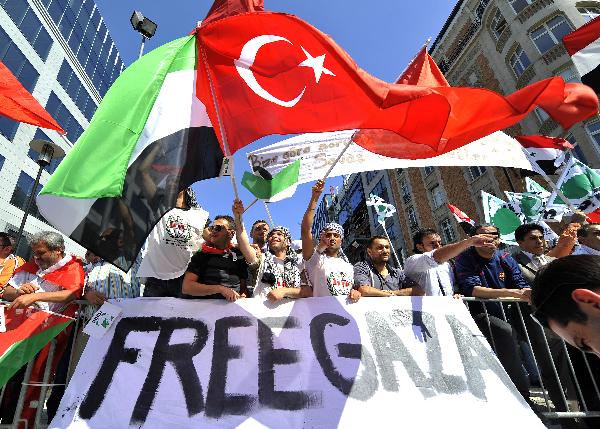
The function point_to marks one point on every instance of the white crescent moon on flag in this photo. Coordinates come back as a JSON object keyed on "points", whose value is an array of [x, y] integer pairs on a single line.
{"points": [[246, 60]]}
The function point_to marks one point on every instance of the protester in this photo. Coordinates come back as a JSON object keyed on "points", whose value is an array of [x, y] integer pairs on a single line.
{"points": [[276, 272], [589, 240], [328, 270], [566, 242], [530, 256], [430, 266], [485, 272], [51, 280], [377, 277], [8, 261], [170, 246], [258, 233], [217, 270]]}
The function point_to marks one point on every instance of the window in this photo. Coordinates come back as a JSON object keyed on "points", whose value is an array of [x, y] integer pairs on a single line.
{"points": [[427, 170], [21, 194], [519, 5], [412, 218], [589, 13], [370, 175], [519, 61], [498, 24], [594, 130], [550, 33], [64, 118], [437, 196], [475, 172], [447, 231], [541, 115], [73, 86], [405, 190], [381, 191], [577, 152]]}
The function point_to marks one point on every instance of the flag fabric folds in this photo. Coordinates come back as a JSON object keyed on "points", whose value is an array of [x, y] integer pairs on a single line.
{"points": [[475, 112], [18, 104], [382, 209], [276, 188], [272, 73], [466, 223], [583, 45], [149, 139], [497, 212], [546, 154], [27, 332]]}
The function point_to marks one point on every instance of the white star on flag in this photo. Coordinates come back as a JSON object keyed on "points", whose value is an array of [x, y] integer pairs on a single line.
{"points": [[315, 63]]}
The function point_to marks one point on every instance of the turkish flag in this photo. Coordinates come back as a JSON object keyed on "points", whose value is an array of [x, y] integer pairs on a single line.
{"points": [[18, 104], [272, 73], [476, 113]]}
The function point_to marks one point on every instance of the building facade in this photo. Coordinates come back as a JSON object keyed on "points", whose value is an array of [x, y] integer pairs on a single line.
{"points": [[62, 53], [502, 45]]}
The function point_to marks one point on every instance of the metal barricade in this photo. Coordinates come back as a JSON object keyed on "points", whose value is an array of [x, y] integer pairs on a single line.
{"points": [[568, 378]]}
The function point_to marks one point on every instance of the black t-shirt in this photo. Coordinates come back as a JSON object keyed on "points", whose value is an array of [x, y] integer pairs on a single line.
{"points": [[218, 269]]}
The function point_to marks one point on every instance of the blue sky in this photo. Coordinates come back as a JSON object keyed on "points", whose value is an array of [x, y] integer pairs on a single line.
{"points": [[382, 36]]}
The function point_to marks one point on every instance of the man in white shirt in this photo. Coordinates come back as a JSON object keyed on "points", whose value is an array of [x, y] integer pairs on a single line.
{"points": [[429, 266], [329, 272], [589, 240]]}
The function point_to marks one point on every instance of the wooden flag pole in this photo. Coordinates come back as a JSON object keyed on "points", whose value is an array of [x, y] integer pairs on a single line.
{"points": [[220, 122], [250, 205], [269, 214]]}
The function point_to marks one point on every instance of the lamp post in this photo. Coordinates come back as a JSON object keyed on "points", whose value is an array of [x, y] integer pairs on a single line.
{"points": [[144, 26], [46, 150]]}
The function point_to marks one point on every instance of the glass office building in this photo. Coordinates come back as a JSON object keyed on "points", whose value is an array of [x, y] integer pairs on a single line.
{"points": [[61, 51]]}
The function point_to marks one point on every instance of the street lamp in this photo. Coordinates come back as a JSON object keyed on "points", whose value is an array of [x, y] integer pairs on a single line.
{"points": [[46, 150], [144, 26]]}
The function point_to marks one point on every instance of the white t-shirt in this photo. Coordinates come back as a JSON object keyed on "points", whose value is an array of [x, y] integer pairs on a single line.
{"points": [[582, 249], [172, 243], [431, 276], [329, 276]]}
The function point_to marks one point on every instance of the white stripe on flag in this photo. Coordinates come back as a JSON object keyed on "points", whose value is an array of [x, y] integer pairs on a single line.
{"points": [[588, 58]]}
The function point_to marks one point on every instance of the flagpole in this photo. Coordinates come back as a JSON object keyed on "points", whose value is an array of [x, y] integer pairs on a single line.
{"points": [[557, 191], [391, 244], [219, 121], [338, 158], [269, 214], [250, 205]]}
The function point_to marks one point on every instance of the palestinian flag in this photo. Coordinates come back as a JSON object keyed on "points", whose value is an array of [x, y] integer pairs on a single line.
{"points": [[545, 154], [498, 213], [270, 188], [149, 139], [466, 223], [583, 45], [27, 332]]}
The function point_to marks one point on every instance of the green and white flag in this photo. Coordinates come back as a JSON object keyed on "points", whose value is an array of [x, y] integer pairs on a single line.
{"points": [[382, 209], [274, 188], [581, 185], [149, 139], [527, 204], [534, 187], [498, 213]]}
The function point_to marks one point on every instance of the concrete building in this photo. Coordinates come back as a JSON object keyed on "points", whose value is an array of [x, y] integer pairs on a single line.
{"points": [[62, 53], [503, 46]]}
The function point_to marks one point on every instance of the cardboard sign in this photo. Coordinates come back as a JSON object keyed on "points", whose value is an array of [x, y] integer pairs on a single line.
{"points": [[315, 362]]}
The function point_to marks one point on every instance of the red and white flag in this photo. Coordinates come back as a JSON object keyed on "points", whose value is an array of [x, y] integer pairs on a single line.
{"points": [[546, 154], [583, 45], [465, 222]]}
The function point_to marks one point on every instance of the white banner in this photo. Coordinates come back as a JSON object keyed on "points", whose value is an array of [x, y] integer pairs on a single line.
{"points": [[315, 362], [319, 150]]}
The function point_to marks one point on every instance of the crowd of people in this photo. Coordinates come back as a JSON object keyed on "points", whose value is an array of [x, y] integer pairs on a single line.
{"points": [[186, 256]]}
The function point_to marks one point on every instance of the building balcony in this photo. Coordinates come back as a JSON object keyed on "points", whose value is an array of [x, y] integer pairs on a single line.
{"points": [[532, 9], [555, 53], [526, 77]]}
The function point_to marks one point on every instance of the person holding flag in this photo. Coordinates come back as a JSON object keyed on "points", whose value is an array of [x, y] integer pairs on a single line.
{"points": [[328, 270], [276, 271]]}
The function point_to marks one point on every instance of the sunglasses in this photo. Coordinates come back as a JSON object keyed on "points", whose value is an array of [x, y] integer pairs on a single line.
{"points": [[217, 228]]}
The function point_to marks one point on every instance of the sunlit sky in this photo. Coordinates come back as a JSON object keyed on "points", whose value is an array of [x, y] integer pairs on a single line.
{"points": [[381, 36]]}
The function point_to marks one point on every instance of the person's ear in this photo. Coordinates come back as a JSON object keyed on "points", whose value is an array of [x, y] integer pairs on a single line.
{"points": [[586, 298]]}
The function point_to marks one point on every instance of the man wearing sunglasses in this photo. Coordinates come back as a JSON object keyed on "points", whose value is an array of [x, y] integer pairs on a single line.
{"points": [[217, 270]]}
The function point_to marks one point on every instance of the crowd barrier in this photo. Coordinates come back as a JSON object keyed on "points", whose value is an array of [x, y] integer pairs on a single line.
{"points": [[562, 381]]}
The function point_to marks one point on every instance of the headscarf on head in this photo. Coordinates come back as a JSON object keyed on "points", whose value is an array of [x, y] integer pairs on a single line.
{"points": [[291, 273], [339, 229]]}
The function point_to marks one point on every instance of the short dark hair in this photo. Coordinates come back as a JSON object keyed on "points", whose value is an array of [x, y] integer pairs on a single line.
{"points": [[7, 240], [229, 220], [483, 225], [376, 237], [585, 229], [522, 231], [256, 222], [420, 235], [554, 283]]}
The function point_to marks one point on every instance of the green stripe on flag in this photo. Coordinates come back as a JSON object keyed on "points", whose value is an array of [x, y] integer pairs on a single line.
{"points": [[97, 164], [21, 352], [265, 189]]}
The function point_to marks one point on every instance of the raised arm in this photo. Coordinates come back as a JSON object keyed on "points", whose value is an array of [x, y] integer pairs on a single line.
{"points": [[308, 246], [240, 231], [449, 251]]}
